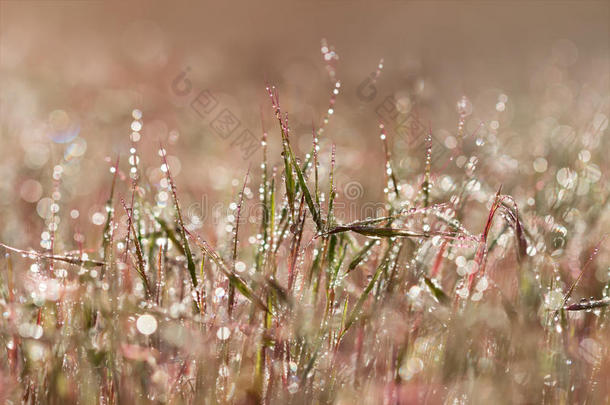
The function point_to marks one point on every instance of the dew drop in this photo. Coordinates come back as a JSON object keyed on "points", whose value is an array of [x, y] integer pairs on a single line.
{"points": [[223, 333], [146, 324]]}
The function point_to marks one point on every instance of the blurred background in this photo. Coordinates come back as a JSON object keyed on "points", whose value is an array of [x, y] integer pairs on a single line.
{"points": [[535, 76]]}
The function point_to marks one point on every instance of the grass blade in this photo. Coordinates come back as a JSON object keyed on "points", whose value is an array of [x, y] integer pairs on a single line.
{"points": [[185, 244]]}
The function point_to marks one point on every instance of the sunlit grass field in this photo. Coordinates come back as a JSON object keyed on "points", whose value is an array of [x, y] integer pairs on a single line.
{"points": [[479, 275]]}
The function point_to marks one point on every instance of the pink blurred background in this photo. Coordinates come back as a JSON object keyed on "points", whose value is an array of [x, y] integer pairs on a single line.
{"points": [[73, 71]]}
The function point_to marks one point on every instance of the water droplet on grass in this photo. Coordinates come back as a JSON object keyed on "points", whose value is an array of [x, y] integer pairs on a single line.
{"points": [[223, 333], [146, 324]]}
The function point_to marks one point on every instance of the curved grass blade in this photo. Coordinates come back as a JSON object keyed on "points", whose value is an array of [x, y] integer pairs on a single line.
{"points": [[382, 232], [436, 291], [308, 199], [587, 305], [107, 235], [288, 176], [185, 244], [356, 311], [234, 279], [139, 255], [231, 298], [361, 255], [88, 263]]}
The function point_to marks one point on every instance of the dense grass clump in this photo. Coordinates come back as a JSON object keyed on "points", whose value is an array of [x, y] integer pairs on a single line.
{"points": [[454, 293]]}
